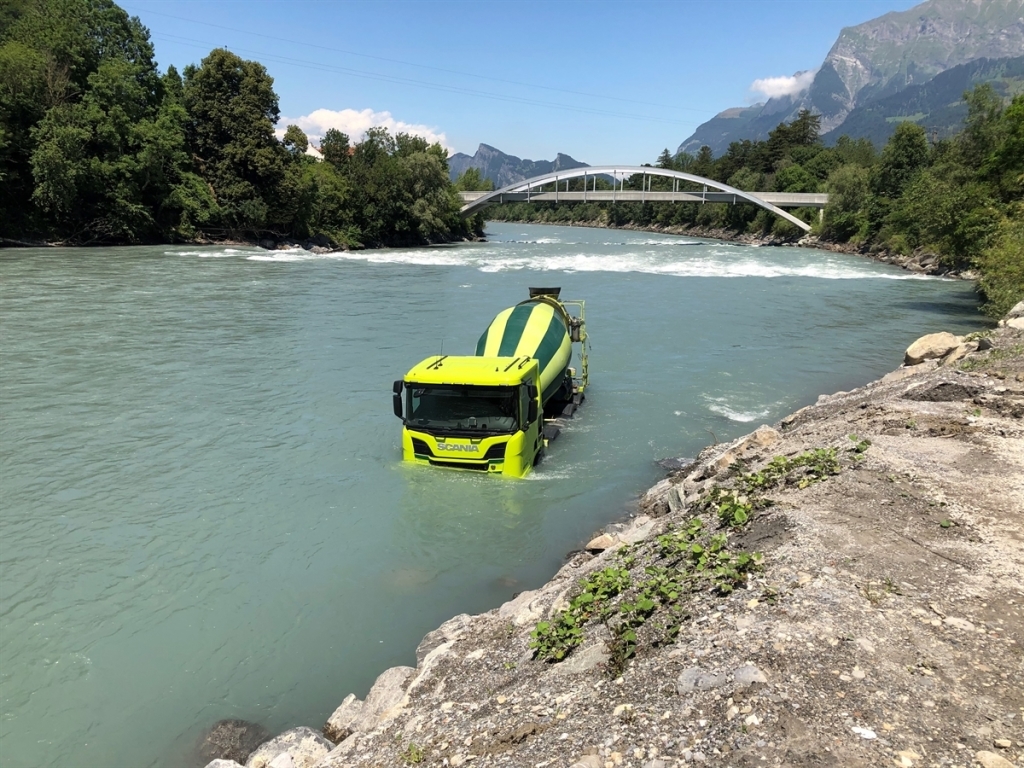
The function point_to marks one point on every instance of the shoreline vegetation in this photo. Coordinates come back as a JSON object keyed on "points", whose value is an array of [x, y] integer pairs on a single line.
{"points": [[951, 206], [845, 586], [98, 147]]}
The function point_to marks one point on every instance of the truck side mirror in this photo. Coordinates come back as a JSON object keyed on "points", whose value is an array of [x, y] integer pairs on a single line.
{"points": [[397, 398], [531, 412]]}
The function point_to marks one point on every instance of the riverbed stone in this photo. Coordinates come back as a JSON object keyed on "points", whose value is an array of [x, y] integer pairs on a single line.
{"points": [[601, 543], [223, 764], [641, 528], [748, 674], [386, 695], [230, 739], [958, 353], [305, 746], [697, 679], [992, 760], [1016, 311], [583, 660], [341, 724], [932, 346]]}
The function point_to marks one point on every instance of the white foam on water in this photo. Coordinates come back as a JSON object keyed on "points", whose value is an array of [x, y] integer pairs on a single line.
{"points": [[224, 254], [734, 412], [719, 261]]}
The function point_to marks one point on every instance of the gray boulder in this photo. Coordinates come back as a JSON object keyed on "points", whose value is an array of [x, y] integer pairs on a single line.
{"points": [[223, 764], [387, 694], [305, 746], [930, 347], [230, 740], [697, 679]]}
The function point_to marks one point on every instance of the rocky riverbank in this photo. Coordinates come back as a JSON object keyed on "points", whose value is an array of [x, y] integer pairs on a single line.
{"points": [[845, 588]]}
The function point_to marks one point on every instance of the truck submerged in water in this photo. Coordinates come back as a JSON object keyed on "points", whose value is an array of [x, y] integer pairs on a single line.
{"points": [[495, 411]]}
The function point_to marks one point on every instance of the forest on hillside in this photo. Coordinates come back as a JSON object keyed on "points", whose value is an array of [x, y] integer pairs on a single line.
{"points": [[98, 146], [961, 197]]}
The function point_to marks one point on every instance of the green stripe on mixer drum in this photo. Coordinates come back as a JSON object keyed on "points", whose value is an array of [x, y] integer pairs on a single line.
{"points": [[491, 339], [514, 329], [553, 341]]}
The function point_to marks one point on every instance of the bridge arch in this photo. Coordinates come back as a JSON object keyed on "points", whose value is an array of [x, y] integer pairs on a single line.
{"points": [[621, 172]]}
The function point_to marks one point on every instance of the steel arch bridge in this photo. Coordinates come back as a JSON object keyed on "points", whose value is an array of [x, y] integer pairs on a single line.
{"points": [[712, 191]]}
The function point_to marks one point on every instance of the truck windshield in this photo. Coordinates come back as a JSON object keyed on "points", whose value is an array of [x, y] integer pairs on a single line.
{"points": [[453, 408]]}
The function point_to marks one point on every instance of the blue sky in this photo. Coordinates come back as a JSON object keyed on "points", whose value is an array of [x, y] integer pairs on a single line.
{"points": [[605, 82]]}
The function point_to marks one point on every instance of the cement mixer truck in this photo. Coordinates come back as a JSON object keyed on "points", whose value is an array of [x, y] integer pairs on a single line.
{"points": [[496, 411]]}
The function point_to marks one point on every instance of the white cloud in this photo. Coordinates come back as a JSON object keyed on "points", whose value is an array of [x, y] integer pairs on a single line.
{"points": [[356, 123], [773, 87]]}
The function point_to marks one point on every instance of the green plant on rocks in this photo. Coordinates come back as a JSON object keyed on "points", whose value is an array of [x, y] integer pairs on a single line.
{"points": [[679, 563], [414, 754], [683, 560], [554, 640], [817, 464]]}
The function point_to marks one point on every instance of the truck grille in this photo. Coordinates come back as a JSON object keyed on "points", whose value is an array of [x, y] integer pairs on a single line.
{"points": [[495, 453], [478, 466]]}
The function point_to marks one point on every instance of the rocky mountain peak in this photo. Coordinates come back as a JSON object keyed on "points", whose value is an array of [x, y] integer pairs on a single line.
{"points": [[879, 58]]}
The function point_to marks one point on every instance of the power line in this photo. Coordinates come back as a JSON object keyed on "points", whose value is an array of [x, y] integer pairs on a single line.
{"points": [[395, 79], [427, 66]]}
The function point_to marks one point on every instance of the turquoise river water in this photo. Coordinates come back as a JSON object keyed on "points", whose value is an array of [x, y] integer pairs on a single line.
{"points": [[202, 509]]}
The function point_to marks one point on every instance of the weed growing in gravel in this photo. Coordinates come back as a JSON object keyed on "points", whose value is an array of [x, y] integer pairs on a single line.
{"points": [[554, 640], [861, 445], [683, 560], [994, 356], [414, 754], [817, 464]]}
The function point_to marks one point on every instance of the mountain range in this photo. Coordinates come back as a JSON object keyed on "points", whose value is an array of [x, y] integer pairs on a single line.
{"points": [[505, 169], [879, 59]]}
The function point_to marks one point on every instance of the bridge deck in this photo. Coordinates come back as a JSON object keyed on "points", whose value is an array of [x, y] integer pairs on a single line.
{"points": [[780, 199]]}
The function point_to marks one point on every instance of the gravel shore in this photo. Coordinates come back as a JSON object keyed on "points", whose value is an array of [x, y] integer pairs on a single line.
{"points": [[844, 588]]}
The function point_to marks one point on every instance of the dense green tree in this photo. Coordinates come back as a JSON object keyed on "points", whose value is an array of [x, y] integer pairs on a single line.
{"points": [[848, 190], [856, 151], [704, 162], [903, 157], [944, 209], [295, 141], [470, 180], [794, 178], [1003, 164], [232, 109], [335, 147], [49, 51], [802, 132], [96, 145], [1002, 264]]}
